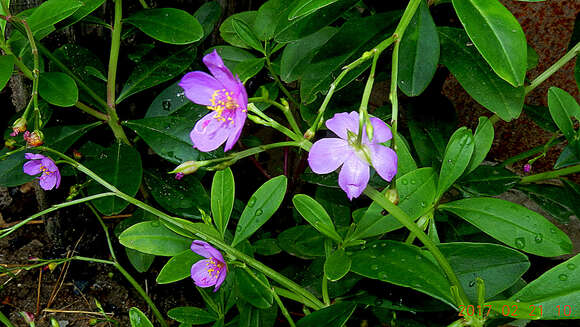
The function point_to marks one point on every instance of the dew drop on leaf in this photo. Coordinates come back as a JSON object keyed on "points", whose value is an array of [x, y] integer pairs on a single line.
{"points": [[252, 201], [563, 277], [374, 267], [571, 266], [520, 242], [539, 238], [259, 212], [166, 104]]}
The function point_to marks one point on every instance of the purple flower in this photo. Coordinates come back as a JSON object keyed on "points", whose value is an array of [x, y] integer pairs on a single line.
{"points": [[222, 93], [328, 154], [211, 271], [39, 164], [527, 168]]}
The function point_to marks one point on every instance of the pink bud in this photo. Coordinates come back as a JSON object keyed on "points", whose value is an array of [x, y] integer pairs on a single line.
{"points": [[527, 168]]}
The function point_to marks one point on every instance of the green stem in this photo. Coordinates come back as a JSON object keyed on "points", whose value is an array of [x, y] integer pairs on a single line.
{"points": [[35, 74], [105, 229], [12, 229], [295, 297], [7, 154], [279, 82], [272, 274], [285, 312], [284, 108], [112, 74], [533, 151], [95, 113], [551, 174], [267, 121], [144, 4], [554, 68], [406, 221], [3, 318], [325, 296], [364, 119], [142, 292]]}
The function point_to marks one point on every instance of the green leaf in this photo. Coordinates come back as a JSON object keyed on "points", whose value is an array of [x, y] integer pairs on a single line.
{"points": [[298, 54], [404, 265], [208, 15], [541, 116], [417, 191], [119, 165], [138, 318], [6, 3], [307, 7], [337, 265], [269, 14], [267, 246], [62, 137], [6, 69], [302, 241], [314, 213], [168, 136], [497, 35], [353, 38], [558, 201], [169, 101], [11, 173], [419, 52], [476, 77], [154, 238], [192, 315], [456, 158], [499, 267], [223, 191], [261, 206], [183, 198], [51, 12], [246, 34], [257, 293], [290, 30], [483, 140], [251, 316], [232, 56], [58, 89], [139, 260], [169, 25], [568, 157], [88, 7], [512, 224], [489, 181], [249, 68], [335, 315], [178, 267], [156, 70], [563, 106], [555, 289], [229, 34]]}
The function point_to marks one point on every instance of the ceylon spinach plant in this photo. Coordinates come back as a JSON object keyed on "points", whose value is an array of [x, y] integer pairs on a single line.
{"points": [[425, 222]]}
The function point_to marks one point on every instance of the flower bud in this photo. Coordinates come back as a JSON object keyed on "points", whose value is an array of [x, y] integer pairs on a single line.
{"points": [[186, 168], [19, 126], [392, 195], [10, 143], [77, 155], [309, 134], [33, 139], [527, 168]]}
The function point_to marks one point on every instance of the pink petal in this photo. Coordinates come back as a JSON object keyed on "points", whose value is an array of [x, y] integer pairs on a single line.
{"points": [[221, 278], [239, 121], [32, 167], [199, 87], [47, 182], [381, 131], [218, 69], [33, 156], [342, 122], [326, 155], [354, 176], [205, 250], [200, 274], [384, 160], [209, 133]]}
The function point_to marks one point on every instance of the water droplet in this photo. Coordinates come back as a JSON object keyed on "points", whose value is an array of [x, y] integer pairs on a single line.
{"points": [[472, 283], [418, 257], [378, 302], [374, 267], [539, 238], [520, 242], [252, 201], [383, 275], [413, 182], [423, 204], [563, 277], [404, 182], [571, 266], [166, 104], [259, 212], [374, 246], [363, 246], [373, 256], [383, 244], [403, 260], [553, 230]]}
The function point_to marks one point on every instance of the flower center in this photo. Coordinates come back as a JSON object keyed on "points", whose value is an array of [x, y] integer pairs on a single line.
{"points": [[45, 171], [221, 101], [361, 150], [214, 267]]}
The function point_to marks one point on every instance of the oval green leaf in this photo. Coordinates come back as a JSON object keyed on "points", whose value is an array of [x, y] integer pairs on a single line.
{"points": [[192, 315], [257, 293], [497, 35], [513, 225], [223, 191], [335, 315], [419, 52], [563, 106], [246, 34], [314, 213], [457, 155], [229, 34], [169, 25], [337, 265], [154, 238], [178, 267], [307, 7], [302, 241], [6, 69], [476, 77], [138, 318], [58, 89], [483, 139], [51, 12], [404, 265], [261, 206]]}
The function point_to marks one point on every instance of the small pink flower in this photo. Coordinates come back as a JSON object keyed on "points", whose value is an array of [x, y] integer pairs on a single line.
{"points": [[211, 271], [39, 164], [527, 168], [179, 176], [328, 154], [222, 93]]}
